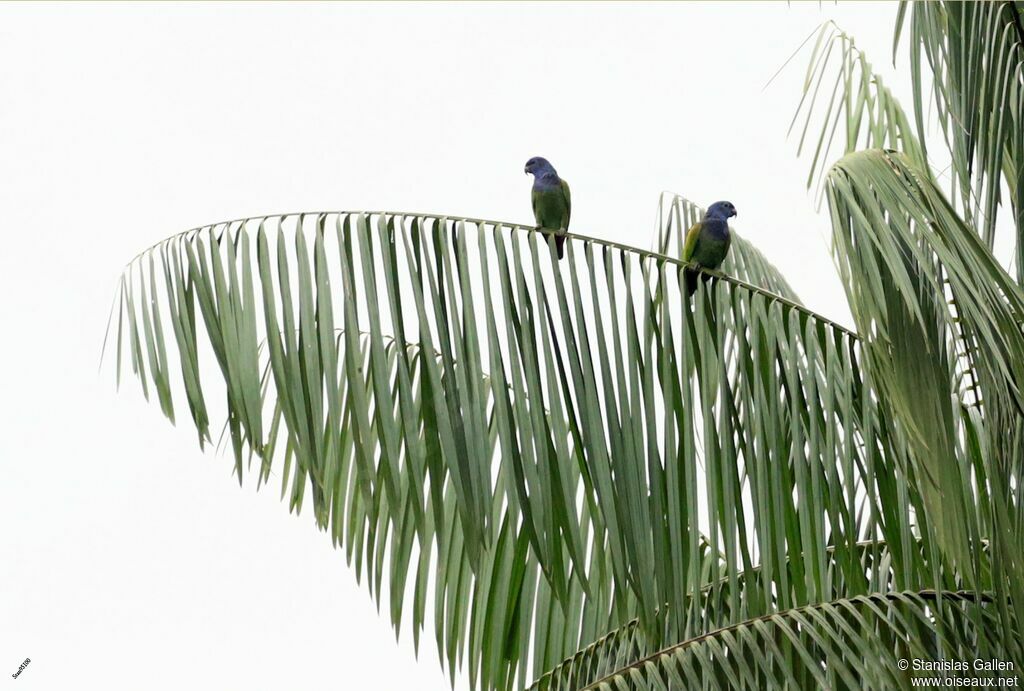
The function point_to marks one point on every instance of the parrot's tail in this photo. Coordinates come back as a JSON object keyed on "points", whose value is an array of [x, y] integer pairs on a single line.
{"points": [[560, 245], [692, 277]]}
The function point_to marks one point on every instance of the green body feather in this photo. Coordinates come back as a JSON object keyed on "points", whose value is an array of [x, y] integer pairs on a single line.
{"points": [[552, 208], [704, 248]]}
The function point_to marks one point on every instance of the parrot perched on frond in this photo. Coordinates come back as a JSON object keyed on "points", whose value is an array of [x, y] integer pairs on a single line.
{"points": [[551, 201], [707, 242]]}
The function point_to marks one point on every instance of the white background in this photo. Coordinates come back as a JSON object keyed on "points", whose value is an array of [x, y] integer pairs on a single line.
{"points": [[129, 559]]}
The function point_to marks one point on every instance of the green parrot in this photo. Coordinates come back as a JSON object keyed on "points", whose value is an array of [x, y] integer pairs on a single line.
{"points": [[552, 203], [707, 242]]}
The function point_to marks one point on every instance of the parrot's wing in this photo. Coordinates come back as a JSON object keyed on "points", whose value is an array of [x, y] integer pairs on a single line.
{"points": [[692, 235], [568, 203]]}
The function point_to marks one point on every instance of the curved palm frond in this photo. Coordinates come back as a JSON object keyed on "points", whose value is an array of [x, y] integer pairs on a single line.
{"points": [[924, 301], [580, 436], [944, 351], [630, 644], [854, 642], [870, 115]]}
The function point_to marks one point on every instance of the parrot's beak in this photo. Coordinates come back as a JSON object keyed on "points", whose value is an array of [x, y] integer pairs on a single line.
{"points": [[526, 170]]}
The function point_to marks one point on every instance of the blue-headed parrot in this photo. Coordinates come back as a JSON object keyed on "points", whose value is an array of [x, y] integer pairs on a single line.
{"points": [[552, 203], [707, 242]]}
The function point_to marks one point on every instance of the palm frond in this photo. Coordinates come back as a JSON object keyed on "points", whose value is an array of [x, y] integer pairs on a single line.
{"points": [[975, 56], [630, 644], [579, 440], [944, 352], [854, 642], [859, 108]]}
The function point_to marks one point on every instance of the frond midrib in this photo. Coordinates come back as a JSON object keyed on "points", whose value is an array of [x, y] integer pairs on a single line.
{"points": [[892, 596], [641, 253]]}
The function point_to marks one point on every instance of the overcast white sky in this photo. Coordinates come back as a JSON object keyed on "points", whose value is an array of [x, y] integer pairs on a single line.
{"points": [[129, 559]]}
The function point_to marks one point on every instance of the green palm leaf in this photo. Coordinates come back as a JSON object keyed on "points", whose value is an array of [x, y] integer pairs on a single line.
{"points": [[854, 642], [534, 434], [630, 644], [859, 110], [975, 52], [939, 312]]}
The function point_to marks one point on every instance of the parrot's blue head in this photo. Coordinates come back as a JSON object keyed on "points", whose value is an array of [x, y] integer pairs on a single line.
{"points": [[721, 211], [538, 166]]}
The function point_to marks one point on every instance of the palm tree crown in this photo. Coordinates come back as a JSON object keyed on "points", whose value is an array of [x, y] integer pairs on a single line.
{"points": [[583, 478]]}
